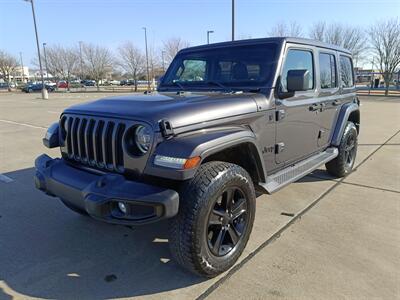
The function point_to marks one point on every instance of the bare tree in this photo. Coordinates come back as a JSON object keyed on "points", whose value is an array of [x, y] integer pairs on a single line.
{"points": [[98, 61], [348, 37], [317, 31], [61, 62], [155, 62], [8, 65], [172, 47], [132, 60], [385, 43], [292, 29]]}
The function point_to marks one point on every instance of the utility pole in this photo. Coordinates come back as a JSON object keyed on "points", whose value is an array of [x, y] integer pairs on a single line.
{"points": [[80, 56], [208, 35], [45, 61], [233, 20], [44, 90], [147, 58], [22, 68]]}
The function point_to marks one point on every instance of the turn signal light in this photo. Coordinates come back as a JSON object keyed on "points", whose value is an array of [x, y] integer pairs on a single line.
{"points": [[192, 162]]}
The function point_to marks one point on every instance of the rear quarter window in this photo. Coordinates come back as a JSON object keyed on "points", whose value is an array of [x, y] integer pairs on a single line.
{"points": [[346, 72]]}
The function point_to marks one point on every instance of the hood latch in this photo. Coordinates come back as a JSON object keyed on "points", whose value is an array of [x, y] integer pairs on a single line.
{"points": [[166, 128]]}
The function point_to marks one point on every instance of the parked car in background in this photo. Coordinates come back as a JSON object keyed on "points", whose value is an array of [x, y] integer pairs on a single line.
{"points": [[50, 83], [88, 82], [62, 84], [112, 82], [37, 87], [7, 85], [127, 82]]}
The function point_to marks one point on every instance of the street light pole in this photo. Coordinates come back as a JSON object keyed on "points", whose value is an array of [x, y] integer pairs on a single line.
{"points": [[44, 91], [147, 58], [22, 68], [208, 35], [233, 20], [45, 61]]}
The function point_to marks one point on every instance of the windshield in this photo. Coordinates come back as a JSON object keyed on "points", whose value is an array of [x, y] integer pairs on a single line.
{"points": [[233, 67]]}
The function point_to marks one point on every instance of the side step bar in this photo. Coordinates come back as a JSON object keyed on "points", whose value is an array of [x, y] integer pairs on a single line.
{"points": [[294, 172]]}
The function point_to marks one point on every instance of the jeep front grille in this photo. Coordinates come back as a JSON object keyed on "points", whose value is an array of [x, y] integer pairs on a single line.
{"points": [[95, 142]]}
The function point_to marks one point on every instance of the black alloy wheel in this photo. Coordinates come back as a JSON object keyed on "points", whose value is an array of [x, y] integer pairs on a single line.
{"points": [[350, 151], [227, 221]]}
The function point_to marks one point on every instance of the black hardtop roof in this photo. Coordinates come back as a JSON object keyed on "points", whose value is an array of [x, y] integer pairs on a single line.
{"points": [[294, 40]]}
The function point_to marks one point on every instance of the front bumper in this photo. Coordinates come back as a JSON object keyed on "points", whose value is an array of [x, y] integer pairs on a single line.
{"points": [[99, 195]]}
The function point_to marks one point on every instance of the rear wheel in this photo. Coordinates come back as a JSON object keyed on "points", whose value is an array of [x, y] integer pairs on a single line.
{"points": [[344, 162], [215, 219]]}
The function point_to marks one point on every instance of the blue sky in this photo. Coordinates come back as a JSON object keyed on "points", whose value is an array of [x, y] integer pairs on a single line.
{"points": [[111, 22]]}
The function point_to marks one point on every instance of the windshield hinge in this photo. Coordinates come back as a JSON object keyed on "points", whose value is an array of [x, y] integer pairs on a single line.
{"points": [[166, 128]]}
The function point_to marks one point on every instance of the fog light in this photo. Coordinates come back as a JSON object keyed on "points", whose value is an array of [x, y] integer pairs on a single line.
{"points": [[122, 207]]}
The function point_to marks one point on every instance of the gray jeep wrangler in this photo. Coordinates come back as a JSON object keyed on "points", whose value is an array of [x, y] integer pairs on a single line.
{"points": [[229, 120]]}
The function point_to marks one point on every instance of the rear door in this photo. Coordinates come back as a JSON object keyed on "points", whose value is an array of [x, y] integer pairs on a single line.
{"points": [[297, 117], [328, 94]]}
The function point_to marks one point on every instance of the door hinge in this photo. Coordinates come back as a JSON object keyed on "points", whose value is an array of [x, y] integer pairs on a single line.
{"points": [[279, 147], [280, 114]]}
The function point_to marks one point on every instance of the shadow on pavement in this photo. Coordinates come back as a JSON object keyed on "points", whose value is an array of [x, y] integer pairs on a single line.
{"points": [[48, 251], [317, 175]]}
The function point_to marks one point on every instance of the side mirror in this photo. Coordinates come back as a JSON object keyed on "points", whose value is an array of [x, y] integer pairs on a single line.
{"points": [[297, 80]]}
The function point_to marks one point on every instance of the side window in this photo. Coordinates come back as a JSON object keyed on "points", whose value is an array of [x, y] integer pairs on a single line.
{"points": [[346, 71], [192, 70], [298, 60], [327, 70]]}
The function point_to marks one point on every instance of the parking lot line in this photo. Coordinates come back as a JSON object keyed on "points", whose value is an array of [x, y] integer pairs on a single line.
{"points": [[23, 124], [6, 179], [278, 233]]}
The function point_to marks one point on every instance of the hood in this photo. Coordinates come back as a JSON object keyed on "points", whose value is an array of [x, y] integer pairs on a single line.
{"points": [[181, 109]]}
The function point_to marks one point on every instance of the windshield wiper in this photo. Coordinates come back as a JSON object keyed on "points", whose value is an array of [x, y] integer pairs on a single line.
{"points": [[227, 88]]}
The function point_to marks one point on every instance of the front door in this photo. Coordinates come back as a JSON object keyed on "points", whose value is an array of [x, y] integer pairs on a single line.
{"points": [[297, 125]]}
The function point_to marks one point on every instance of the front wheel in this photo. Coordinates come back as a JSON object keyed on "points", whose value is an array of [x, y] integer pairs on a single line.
{"points": [[344, 162], [216, 215]]}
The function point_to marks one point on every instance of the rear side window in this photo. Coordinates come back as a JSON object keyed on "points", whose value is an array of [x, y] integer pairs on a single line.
{"points": [[327, 70], [298, 60], [346, 71]]}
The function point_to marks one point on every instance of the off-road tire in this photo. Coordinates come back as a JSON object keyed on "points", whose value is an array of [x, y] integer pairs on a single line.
{"points": [[189, 243], [75, 209], [341, 166]]}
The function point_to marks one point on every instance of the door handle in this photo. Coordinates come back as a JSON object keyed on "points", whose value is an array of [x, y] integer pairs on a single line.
{"points": [[336, 103], [314, 107]]}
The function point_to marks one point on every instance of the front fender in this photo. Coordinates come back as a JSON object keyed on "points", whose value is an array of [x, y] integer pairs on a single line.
{"points": [[201, 143]]}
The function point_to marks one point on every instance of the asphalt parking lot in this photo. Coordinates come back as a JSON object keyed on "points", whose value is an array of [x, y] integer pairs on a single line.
{"points": [[335, 238]]}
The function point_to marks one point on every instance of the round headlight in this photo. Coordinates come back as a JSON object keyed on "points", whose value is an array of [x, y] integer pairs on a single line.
{"points": [[143, 138]]}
